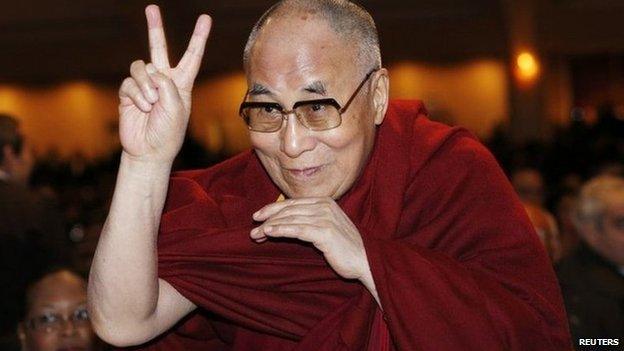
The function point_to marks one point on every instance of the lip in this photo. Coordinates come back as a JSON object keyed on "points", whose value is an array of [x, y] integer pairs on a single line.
{"points": [[304, 173]]}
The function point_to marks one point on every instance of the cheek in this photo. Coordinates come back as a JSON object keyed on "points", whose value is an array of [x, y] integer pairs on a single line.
{"points": [[264, 141], [87, 336], [41, 341], [617, 238], [351, 144]]}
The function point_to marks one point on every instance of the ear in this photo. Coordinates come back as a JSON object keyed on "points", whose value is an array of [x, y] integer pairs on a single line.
{"points": [[381, 91]]}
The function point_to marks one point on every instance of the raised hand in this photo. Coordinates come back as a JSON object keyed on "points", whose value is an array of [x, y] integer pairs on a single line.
{"points": [[155, 101]]}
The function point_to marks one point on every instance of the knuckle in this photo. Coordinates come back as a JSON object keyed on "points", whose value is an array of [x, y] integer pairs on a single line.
{"points": [[126, 85], [286, 211], [136, 64], [126, 82]]}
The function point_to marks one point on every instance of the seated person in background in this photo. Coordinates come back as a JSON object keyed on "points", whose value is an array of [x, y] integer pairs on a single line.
{"points": [[546, 228], [592, 278], [55, 314], [31, 230], [529, 184]]}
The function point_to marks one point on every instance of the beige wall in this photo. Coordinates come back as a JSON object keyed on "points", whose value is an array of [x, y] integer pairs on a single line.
{"points": [[471, 94], [72, 118], [79, 118]]}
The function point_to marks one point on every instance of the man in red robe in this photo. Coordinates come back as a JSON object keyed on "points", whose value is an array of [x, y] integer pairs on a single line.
{"points": [[353, 224]]}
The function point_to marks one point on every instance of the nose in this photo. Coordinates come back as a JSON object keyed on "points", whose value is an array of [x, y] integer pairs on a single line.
{"points": [[68, 328], [295, 139]]}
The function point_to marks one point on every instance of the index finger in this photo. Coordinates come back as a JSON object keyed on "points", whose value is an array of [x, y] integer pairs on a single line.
{"points": [[273, 208], [157, 41]]}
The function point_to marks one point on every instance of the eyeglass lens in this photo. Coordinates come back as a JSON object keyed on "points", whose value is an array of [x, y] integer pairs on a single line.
{"points": [[314, 115]]}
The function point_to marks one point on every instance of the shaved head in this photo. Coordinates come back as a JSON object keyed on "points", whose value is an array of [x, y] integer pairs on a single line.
{"points": [[349, 21]]}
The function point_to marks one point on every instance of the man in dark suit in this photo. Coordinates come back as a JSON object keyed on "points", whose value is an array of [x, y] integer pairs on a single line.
{"points": [[592, 279]]}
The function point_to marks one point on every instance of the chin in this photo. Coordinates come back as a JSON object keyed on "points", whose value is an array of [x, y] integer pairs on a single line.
{"points": [[302, 193], [297, 192]]}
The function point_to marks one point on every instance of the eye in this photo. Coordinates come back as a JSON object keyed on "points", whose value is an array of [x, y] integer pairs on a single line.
{"points": [[269, 109], [317, 107], [81, 315], [47, 319]]}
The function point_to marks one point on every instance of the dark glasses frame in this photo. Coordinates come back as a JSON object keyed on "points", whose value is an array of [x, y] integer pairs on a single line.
{"points": [[297, 104]]}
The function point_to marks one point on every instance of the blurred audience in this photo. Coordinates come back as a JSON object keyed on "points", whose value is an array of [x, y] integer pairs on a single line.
{"points": [[31, 230], [546, 228], [529, 185], [54, 314], [568, 235], [592, 278], [52, 211]]}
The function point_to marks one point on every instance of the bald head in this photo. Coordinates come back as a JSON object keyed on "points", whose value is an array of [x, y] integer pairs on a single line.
{"points": [[350, 22]]}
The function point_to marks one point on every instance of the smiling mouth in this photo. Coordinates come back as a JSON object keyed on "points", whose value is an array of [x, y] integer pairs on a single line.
{"points": [[304, 173]]}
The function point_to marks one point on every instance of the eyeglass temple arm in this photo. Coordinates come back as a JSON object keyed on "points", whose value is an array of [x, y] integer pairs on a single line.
{"points": [[357, 90]]}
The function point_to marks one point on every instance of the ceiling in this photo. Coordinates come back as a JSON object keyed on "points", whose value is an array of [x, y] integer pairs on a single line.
{"points": [[48, 41]]}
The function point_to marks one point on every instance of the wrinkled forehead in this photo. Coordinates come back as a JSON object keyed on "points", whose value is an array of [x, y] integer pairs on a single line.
{"points": [[291, 50]]}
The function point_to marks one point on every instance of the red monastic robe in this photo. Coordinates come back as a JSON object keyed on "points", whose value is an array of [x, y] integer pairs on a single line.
{"points": [[454, 257]]}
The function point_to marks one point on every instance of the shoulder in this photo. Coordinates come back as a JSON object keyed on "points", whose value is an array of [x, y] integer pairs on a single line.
{"points": [[428, 142]]}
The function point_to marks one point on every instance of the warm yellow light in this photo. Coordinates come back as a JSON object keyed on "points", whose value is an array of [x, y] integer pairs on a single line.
{"points": [[527, 66]]}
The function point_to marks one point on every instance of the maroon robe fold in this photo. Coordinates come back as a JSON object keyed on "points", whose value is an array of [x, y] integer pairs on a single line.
{"points": [[454, 257]]}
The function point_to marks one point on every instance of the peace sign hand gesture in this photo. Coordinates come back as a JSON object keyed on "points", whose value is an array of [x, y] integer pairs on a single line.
{"points": [[155, 101]]}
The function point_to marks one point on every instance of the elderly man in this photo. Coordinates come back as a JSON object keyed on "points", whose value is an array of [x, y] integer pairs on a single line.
{"points": [[337, 232], [592, 279]]}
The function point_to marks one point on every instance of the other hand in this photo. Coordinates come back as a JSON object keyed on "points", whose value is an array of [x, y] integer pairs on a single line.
{"points": [[319, 221]]}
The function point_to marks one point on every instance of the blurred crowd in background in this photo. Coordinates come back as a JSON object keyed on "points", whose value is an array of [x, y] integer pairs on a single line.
{"points": [[52, 211], [543, 71]]}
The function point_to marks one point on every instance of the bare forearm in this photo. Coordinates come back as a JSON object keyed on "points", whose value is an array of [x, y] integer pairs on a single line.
{"points": [[123, 284]]}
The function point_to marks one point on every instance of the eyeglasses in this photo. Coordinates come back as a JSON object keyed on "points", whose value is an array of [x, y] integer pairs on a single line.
{"points": [[54, 322], [317, 115]]}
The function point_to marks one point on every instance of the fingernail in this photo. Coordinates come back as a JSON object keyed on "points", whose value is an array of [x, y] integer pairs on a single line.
{"points": [[152, 14], [268, 229], [202, 24], [256, 215]]}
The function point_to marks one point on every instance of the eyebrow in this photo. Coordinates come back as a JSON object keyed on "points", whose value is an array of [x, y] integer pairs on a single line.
{"points": [[258, 89], [316, 87]]}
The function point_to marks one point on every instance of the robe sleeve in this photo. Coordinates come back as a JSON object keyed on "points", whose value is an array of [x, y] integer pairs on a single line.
{"points": [[282, 289], [465, 269]]}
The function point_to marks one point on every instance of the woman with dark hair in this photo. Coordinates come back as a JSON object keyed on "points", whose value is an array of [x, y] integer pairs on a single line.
{"points": [[55, 316]]}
